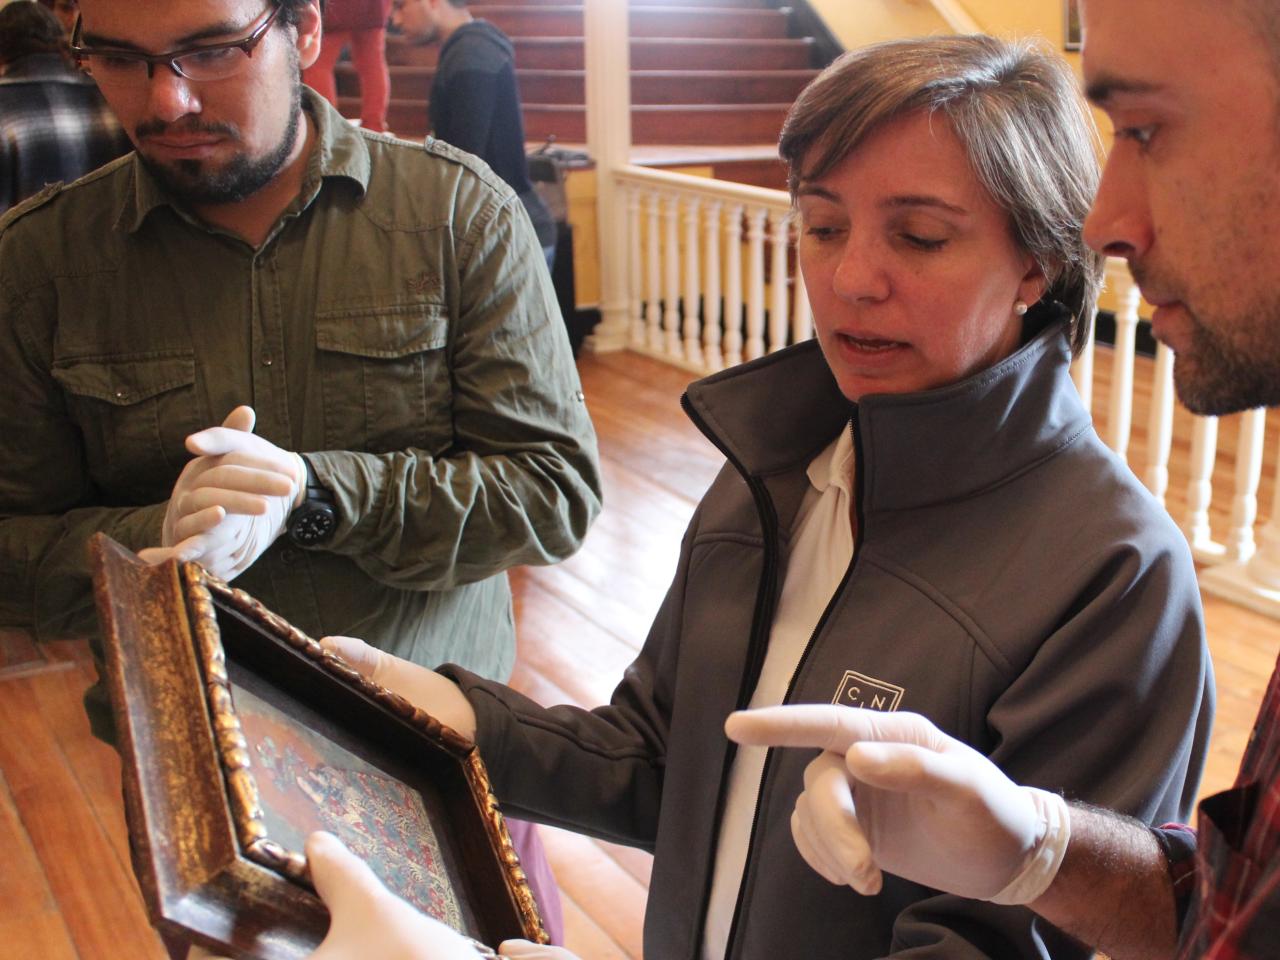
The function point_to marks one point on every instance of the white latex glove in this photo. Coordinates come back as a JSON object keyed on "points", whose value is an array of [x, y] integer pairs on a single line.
{"points": [[367, 919], [527, 950], [425, 689], [892, 792], [232, 501]]}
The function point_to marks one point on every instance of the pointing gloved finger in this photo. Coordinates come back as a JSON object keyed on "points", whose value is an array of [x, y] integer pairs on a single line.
{"points": [[828, 727]]}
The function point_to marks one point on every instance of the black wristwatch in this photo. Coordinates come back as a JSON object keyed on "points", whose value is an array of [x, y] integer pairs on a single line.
{"points": [[313, 521]]}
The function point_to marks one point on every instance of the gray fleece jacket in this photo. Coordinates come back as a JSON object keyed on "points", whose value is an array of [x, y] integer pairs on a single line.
{"points": [[1012, 581]]}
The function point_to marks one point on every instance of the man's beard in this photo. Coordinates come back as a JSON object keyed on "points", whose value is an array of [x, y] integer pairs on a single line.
{"points": [[190, 180], [1215, 376]]}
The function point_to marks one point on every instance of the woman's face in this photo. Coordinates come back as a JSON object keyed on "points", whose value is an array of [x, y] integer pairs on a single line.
{"points": [[911, 268]]}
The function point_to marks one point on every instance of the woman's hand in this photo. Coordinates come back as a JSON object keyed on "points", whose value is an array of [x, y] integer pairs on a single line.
{"points": [[424, 688]]}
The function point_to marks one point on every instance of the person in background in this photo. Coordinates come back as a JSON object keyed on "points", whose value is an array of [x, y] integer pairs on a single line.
{"points": [[475, 100], [54, 124], [1190, 197], [361, 27], [915, 514], [66, 11]]}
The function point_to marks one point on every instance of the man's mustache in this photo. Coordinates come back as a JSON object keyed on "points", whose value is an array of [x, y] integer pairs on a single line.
{"points": [[184, 127]]}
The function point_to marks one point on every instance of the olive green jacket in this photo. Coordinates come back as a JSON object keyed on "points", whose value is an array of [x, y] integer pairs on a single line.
{"points": [[398, 325]]}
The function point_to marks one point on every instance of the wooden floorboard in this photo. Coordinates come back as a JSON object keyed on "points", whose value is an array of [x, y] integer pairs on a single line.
{"points": [[65, 887], [31, 922]]}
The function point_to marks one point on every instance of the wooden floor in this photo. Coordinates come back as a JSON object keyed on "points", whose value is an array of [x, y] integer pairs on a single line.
{"points": [[65, 886]]}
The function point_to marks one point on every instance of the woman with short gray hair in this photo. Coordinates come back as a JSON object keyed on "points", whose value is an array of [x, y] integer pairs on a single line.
{"points": [[915, 514]]}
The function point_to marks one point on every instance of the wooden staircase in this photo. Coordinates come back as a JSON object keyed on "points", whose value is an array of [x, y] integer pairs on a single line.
{"points": [[689, 85]]}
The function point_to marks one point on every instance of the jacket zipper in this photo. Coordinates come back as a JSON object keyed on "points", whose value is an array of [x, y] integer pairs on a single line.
{"points": [[786, 697], [761, 620]]}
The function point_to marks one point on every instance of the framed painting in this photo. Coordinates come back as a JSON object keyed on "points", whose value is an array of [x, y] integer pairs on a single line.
{"points": [[1073, 33], [239, 735]]}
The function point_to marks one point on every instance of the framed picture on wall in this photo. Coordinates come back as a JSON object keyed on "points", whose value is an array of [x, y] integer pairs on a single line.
{"points": [[1073, 34], [239, 735]]}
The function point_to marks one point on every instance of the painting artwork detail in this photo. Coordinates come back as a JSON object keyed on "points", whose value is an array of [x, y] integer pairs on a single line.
{"points": [[306, 782]]}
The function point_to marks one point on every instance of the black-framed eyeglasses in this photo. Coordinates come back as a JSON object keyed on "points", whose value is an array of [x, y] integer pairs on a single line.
{"points": [[207, 61]]}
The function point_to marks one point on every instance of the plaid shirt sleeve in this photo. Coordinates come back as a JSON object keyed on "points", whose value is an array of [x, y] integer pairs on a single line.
{"points": [[52, 131], [1235, 910]]}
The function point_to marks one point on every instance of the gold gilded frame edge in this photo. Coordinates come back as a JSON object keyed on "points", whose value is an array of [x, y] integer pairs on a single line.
{"points": [[247, 814]]}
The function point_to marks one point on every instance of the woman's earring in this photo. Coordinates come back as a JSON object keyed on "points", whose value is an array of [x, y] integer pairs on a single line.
{"points": [[1020, 307]]}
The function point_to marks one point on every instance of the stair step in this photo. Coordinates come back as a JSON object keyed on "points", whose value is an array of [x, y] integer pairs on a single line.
{"points": [[647, 86], [708, 123], [647, 21], [566, 53], [414, 83], [677, 124], [718, 86]]}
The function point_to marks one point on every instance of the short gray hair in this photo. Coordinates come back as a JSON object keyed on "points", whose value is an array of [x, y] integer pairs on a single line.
{"points": [[1016, 109]]}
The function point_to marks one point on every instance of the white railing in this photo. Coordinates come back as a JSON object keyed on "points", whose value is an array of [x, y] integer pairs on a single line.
{"points": [[689, 287], [711, 282]]}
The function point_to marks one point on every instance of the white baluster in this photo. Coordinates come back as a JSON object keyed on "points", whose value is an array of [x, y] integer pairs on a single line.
{"points": [[733, 285], [755, 282], [653, 265], [671, 286], [692, 283], [779, 235], [1264, 566], [1253, 580], [1082, 368], [1160, 425], [1121, 408], [1244, 506], [1204, 449], [801, 313], [635, 227], [711, 305]]}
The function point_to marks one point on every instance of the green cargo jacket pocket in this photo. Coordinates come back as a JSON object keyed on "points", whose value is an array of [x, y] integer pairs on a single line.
{"points": [[135, 412], [385, 380]]}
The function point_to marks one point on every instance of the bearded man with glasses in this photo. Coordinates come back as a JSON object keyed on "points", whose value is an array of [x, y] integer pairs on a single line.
{"points": [[380, 307]]}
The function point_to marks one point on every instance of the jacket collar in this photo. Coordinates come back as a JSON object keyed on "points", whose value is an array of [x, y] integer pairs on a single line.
{"points": [[776, 414], [340, 151]]}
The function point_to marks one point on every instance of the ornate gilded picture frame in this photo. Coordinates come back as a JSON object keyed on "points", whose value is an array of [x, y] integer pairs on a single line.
{"points": [[239, 735]]}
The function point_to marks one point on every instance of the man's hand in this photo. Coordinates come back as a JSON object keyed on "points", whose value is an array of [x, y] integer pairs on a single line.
{"points": [[892, 792], [425, 689], [231, 502], [367, 919]]}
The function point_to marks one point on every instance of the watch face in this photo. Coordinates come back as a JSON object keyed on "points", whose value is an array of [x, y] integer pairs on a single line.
{"points": [[313, 524]]}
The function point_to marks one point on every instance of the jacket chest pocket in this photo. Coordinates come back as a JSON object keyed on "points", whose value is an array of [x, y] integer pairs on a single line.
{"points": [[384, 378], [135, 413]]}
